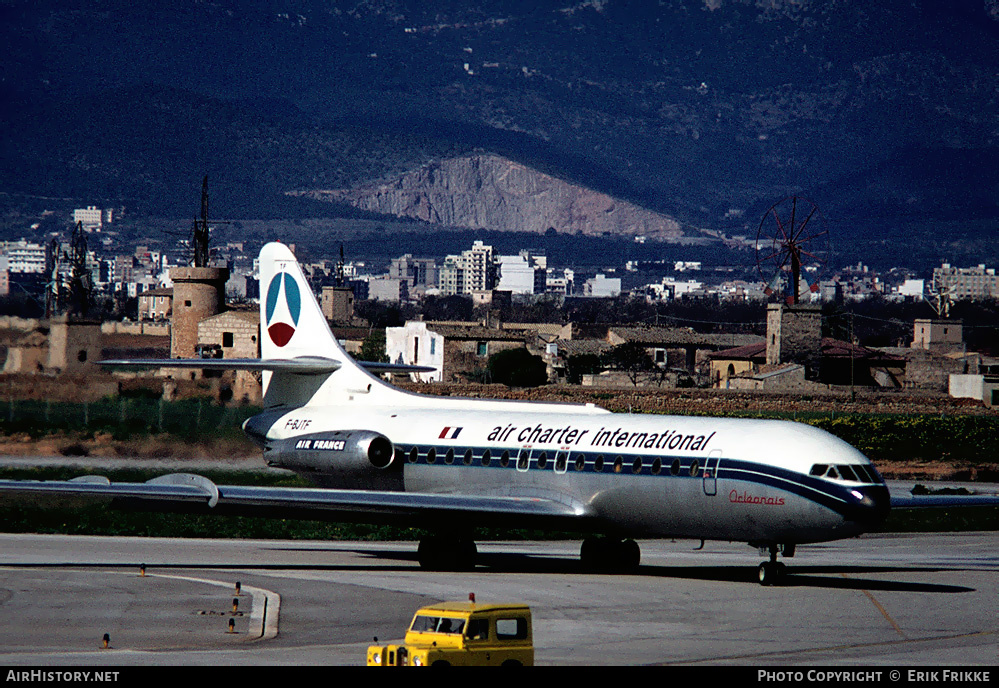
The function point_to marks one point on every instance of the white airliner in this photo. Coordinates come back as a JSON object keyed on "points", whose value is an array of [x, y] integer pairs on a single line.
{"points": [[381, 454]]}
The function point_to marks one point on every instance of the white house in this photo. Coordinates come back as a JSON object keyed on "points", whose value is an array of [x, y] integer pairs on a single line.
{"points": [[415, 344]]}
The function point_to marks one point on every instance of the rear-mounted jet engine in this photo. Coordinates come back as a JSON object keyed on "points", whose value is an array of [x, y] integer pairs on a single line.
{"points": [[355, 459]]}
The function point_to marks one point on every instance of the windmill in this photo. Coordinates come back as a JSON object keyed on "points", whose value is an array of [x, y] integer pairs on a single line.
{"points": [[201, 231], [791, 234]]}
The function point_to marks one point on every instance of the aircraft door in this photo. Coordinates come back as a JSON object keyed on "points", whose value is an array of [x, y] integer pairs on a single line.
{"points": [[709, 478]]}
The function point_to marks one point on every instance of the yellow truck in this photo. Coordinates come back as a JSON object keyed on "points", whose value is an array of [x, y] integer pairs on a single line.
{"points": [[462, 634]]}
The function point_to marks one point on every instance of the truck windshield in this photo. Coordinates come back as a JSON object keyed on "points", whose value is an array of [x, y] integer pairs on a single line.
{"points": [[437, 624]]}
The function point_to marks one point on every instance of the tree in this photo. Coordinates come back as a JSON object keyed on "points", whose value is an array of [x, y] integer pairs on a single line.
{"points": [[632, 359], [373, 347], [578, 365], [517, 368]]}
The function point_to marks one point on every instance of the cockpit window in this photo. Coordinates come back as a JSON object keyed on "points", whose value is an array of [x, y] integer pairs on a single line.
{"points": [[856, 473], [848, 474]]}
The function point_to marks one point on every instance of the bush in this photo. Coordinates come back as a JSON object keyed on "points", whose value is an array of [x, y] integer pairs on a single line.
{"points": [[518, 368]]}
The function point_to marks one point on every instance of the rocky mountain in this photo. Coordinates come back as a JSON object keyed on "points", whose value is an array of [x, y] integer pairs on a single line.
{"points": [[885, 114], [483, 191]]}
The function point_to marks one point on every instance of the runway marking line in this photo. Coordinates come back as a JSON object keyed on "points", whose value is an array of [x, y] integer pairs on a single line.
{"points": [[266, 605], [880, 608]]}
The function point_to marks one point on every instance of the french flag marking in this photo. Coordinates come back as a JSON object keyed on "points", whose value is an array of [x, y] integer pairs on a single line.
{"points": [[449, 433]]}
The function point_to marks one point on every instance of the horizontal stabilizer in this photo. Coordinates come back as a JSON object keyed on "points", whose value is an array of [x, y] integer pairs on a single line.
{"points": [[400, 368], [306, 365]]}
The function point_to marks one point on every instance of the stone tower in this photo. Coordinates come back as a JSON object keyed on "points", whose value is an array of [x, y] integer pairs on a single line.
{"points": [[74, 344], [197, 294], [338, 305], [794, 335]]}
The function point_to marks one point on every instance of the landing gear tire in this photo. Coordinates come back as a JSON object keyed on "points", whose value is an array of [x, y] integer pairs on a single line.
{"points": [[772, 572], [608, 555], [444, 553], [769, 573]]}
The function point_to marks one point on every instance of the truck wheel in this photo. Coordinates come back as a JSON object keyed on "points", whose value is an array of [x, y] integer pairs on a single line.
{"points": [[441, 663], [511, 663]]}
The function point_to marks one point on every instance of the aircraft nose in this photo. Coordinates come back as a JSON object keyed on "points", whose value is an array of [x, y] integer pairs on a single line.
{"points": [[871, 505]]}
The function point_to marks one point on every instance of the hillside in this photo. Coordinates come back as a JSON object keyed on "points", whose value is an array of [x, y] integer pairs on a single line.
{"points": [[486, 191], [704, 111]]}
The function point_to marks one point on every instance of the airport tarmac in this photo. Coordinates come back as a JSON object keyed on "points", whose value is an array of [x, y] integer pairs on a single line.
{"points": [[879, 600]]}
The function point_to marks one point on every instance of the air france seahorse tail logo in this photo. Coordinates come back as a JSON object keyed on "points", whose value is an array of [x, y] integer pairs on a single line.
{"points": [[284, 305]]}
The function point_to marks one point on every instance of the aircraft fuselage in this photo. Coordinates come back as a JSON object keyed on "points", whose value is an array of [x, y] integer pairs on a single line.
{"points": [[637, 475]]}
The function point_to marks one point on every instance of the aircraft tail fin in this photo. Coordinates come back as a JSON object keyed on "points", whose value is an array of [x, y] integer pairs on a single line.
{"points": [[292, 326]]}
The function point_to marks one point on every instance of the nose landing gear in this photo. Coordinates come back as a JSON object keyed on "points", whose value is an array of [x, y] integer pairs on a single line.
{"points": [[774, 572]]}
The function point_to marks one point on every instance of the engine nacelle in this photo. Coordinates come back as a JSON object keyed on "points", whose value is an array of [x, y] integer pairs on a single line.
{"points": [[341, 458]]}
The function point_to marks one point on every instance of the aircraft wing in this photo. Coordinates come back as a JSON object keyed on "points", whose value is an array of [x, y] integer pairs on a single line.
{"points": [[190, 493]]}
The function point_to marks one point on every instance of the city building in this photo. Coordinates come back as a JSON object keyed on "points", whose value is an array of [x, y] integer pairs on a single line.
{"points": [[155, 304], [24, 256], [388, 289], [524, 273], [418, 272], [559, 281], [93, 218], [472, 270], [602, 286], [966, 283]]}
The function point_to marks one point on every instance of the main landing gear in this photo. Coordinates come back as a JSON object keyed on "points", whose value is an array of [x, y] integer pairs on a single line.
{"points": [[447, 553], [610, 555], [599, 554], [774, 572]]}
